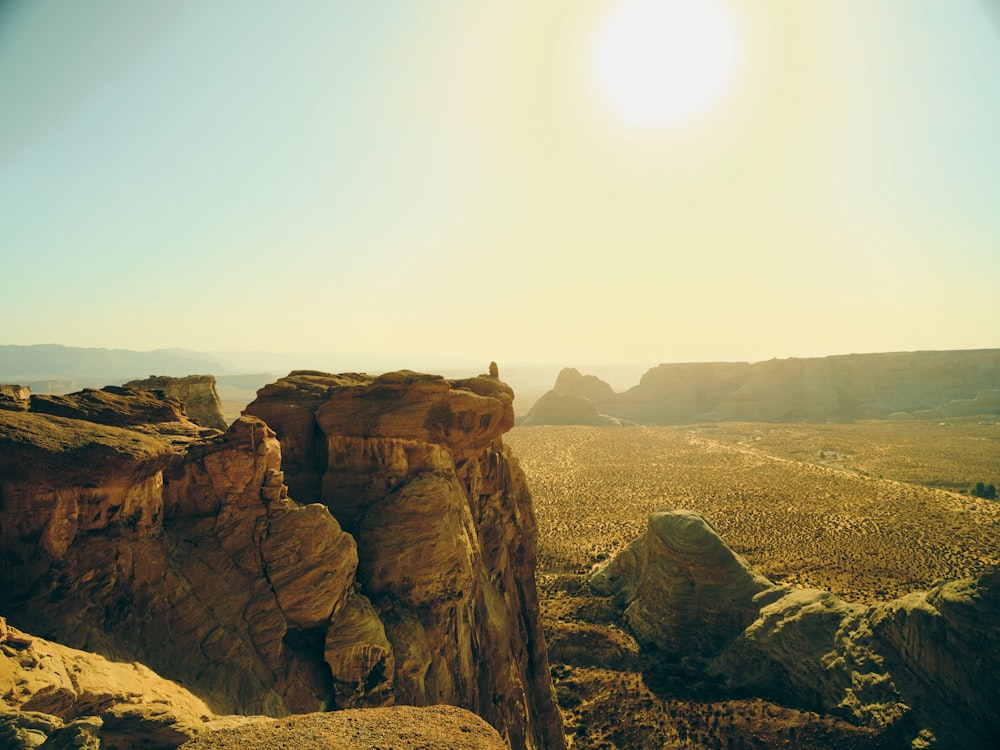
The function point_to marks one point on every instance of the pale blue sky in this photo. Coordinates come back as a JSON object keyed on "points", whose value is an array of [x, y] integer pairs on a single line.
{"points": [[444, 181]]}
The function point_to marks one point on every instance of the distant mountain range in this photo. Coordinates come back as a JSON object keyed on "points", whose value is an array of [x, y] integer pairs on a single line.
{"points": [[54, 361]]}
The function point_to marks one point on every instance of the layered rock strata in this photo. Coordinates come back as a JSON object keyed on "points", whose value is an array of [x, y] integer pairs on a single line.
{"points": [[913, 668], [162, 544], [129, 531], [413, 466], [853, 386], [197, 392]]}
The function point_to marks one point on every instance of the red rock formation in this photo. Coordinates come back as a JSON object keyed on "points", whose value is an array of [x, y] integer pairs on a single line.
{"points": [[414, 467], [128, 530], [164, 547]]}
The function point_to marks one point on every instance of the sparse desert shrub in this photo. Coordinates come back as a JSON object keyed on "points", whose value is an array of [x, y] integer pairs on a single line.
{"points": [[567, 697], [985, 491]]}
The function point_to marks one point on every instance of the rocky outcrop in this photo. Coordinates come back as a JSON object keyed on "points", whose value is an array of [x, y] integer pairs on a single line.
{"points": [[14, 396], [913, 668], [161, 545], [129, 531], [684, 591], [184, 552], [853, 386], [572, 381], [413, 466], [52, 691], [197, 392]]}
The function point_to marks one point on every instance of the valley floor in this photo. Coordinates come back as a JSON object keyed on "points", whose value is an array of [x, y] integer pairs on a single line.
{"points": [[870, 511]]}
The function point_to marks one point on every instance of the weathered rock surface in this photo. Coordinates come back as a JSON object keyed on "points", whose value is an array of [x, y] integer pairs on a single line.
{"points": [[685, 591], [67, 698], [129, 531], [197, 392], [914, 668], [852, 386], [14, 396], [159, 545], [414, 467], [50, 691], [112, 405]]}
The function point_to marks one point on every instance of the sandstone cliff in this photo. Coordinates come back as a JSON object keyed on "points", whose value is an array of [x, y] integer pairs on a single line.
{"points": [[413, 466], [197, 392], [854, 386], [914, 668], [158, 544], [129, 531]]}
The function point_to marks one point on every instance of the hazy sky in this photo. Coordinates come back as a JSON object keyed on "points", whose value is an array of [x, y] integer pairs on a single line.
{"points": [[446, 180]]}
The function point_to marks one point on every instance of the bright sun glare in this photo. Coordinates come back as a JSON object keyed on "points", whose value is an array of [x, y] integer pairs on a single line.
{"points": [[662, 60]]}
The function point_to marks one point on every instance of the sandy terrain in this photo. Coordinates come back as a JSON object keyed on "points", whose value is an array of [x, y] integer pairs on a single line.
{"points": [[857, 509], [797, 517]]}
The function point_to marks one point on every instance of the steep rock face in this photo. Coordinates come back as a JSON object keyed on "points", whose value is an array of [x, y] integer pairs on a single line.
{"points": [[197, 392], [158, 544], [913, 668], [414, 467], [853, 386], [679, 392]]}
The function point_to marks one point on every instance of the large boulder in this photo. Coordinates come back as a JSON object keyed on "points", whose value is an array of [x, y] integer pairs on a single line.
{"points": [[913, 668], [684, 591]]}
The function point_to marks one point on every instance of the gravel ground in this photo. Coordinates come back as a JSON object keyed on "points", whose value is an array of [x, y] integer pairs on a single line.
{"points": [[368, 729]]}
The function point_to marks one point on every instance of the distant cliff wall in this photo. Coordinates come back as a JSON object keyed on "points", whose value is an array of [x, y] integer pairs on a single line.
{"points": [[852, 386], [198, 392]]}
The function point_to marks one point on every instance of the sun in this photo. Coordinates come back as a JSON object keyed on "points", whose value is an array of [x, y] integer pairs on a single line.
{"points": [[663, 60]]}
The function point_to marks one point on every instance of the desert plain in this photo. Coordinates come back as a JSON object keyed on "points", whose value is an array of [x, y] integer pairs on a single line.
{"points": [[870, 510]]}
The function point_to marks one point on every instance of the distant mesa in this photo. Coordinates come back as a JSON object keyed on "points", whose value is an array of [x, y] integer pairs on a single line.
{"points": [[198, 393], [914, 668], [921, 385]]}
